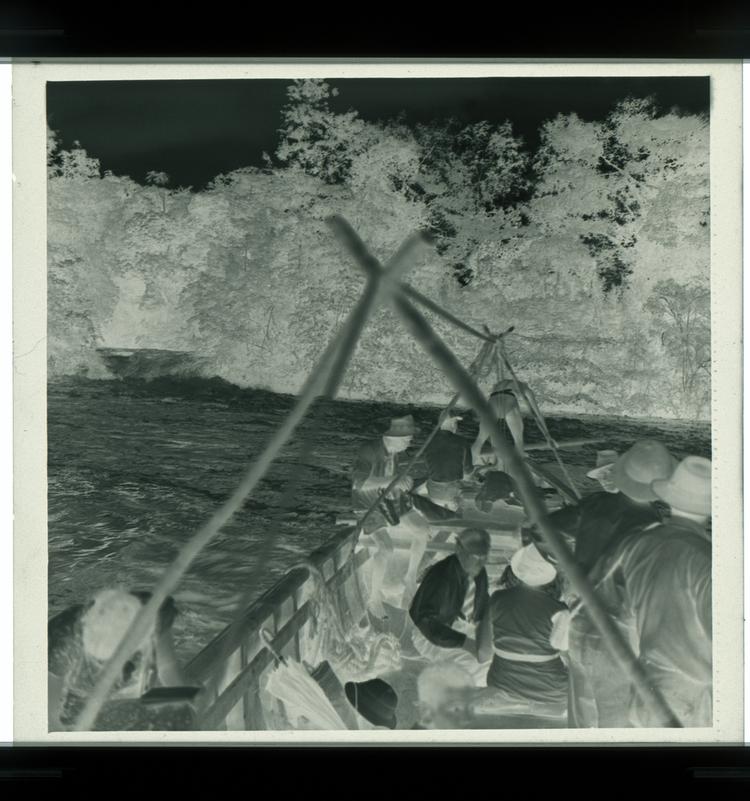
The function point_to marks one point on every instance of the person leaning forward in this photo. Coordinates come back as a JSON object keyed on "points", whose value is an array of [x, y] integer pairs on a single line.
{"points": [[449, 610]]}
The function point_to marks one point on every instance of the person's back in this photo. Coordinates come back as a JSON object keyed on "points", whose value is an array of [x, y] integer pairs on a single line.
{"points": [[525, 665], [598, 521], [657, 584], [448, 457]]}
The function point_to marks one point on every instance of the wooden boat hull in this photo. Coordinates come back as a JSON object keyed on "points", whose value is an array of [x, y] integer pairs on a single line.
{"points": [[233, 667]]}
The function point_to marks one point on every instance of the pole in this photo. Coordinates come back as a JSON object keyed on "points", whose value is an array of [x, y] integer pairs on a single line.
{"points": [[331, 359]]}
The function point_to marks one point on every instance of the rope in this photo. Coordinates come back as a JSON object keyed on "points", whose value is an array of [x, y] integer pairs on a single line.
{"points": [[441, 312], [539, 420]]}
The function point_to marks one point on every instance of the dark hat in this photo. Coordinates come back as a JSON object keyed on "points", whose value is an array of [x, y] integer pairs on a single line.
{"points": [[497, 486], [375, 700], [401, 427]]}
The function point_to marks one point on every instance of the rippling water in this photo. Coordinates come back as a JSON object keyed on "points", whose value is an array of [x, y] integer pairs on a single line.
{"points": [[135, 467]]}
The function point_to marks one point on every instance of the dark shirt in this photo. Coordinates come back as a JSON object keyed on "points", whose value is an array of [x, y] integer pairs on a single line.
{"points": [[439, 600], [522, 620], [522, 624], [598, 522], [448, 457]]}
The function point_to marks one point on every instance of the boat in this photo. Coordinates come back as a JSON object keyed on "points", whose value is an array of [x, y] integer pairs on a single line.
{"points": [[234, 666]]}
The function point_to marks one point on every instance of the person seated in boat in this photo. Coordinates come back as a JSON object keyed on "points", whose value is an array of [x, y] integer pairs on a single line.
{"points": [[82, 639], [523, 614], [449, 609], [600, 519], [505, 404], [378, 462]]}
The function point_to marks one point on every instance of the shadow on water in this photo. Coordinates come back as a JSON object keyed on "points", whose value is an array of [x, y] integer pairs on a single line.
{"points": [[134, 467]]}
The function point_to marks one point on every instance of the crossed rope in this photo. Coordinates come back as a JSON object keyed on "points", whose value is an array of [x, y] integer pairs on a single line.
{"points": [[383, 284]]}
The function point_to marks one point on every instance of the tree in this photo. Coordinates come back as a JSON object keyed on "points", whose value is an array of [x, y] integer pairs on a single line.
{"points": [[682, 319], [470, 178], [314, 137], [161, 179]]}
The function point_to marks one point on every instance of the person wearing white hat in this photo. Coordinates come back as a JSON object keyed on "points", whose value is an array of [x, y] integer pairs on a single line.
{"points": [[525, 664], [656, 584]]}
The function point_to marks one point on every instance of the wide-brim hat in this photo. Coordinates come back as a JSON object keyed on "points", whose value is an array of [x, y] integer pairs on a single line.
{"points": [[375, 700], [645, 462], [401, 427], [531, 567], [688, 488]]}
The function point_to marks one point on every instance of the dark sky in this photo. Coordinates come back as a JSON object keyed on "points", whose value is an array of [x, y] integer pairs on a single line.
{"points": [[195, 130]]}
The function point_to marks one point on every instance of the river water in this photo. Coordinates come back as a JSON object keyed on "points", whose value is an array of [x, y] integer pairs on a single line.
{"points": [[135, 467]]}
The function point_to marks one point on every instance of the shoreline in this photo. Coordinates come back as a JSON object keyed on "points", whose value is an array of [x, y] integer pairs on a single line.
{"points": [[221, 383]]}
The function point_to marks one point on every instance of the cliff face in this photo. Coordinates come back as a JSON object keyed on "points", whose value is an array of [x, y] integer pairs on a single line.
{"points": [[603, 272]]}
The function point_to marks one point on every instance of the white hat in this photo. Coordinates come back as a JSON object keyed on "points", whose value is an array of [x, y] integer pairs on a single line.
{"points": [[647, 461], [689, 487], [107, 621], [531, 567]]}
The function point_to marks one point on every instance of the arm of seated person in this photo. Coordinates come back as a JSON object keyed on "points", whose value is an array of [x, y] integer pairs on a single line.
{"points": [[425, 614]]}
